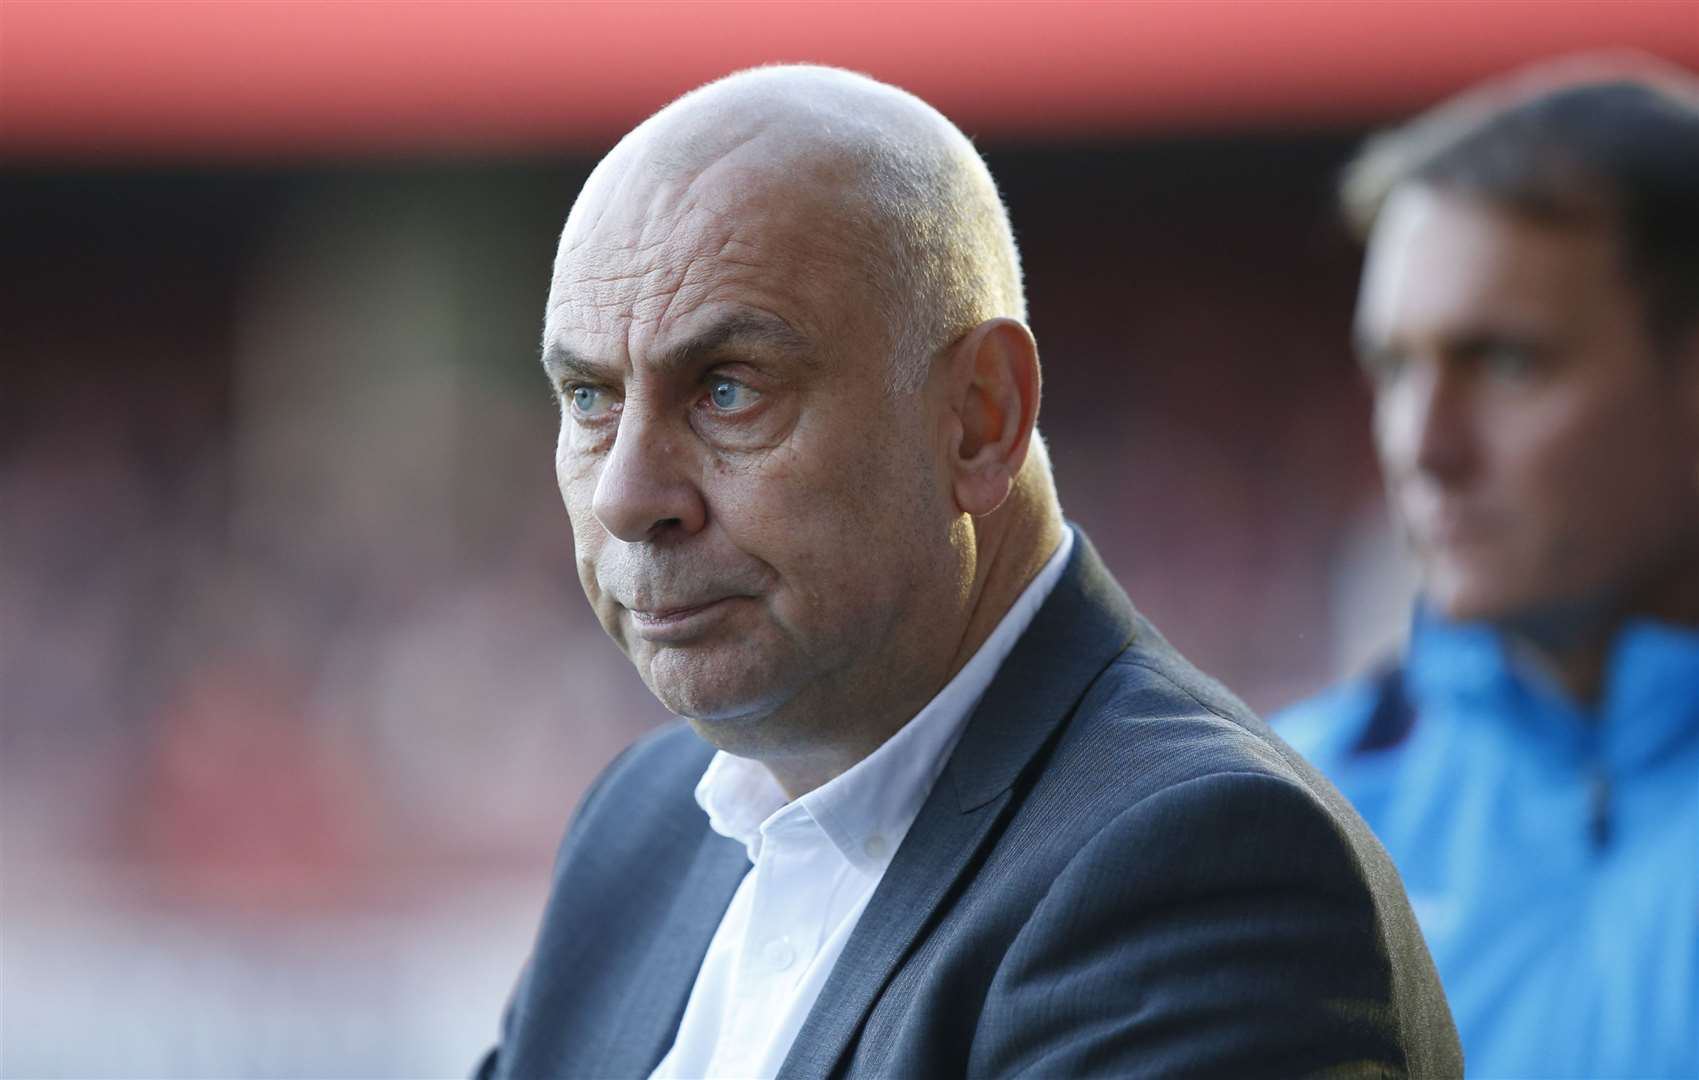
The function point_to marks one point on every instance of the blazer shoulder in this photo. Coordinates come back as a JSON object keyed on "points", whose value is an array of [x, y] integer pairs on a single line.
{"points": [[1232, 929], [1154, 720], [1164, 769]]}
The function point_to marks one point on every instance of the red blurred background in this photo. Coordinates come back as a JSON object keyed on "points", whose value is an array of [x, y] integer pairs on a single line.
{"points": [[296, 686], [104, 79]]}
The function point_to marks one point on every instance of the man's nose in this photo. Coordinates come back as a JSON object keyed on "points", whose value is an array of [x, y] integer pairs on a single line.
{"points": [[1423, 424], [646, 488]]}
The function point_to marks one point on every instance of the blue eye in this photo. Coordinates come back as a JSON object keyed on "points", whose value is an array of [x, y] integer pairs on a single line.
{"points": [[588, 400], [729, 394]]}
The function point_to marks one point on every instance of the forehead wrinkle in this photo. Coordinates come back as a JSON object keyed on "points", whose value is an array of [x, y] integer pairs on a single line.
{"points": [[642, 256], [666, 242], [598, 290], [669, 278]]}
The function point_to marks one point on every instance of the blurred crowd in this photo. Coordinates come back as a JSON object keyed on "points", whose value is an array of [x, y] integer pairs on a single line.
{"points": [[292, 657]]}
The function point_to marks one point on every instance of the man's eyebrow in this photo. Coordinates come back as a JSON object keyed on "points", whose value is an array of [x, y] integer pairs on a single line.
{"points": [[561, 361], [740, 329]]}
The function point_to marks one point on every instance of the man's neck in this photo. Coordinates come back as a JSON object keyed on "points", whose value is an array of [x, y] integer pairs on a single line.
{"points": [[1009, 558], [1573, 647], [1010, 551]]}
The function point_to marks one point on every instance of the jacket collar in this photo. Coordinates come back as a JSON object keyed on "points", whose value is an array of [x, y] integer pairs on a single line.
{"points": [[1086, 622], [1650, 697]]}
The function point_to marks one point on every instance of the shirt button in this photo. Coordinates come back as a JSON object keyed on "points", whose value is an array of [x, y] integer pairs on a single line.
{"points": [[874, 846], [779, 954]]}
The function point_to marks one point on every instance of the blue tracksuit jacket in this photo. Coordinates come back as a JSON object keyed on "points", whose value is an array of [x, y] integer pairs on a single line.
{"points": [[1551, 851]]}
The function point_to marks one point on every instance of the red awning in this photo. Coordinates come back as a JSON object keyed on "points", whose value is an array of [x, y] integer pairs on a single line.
{"points": [[100, 80]]}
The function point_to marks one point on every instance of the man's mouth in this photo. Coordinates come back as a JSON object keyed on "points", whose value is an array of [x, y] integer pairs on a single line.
{"points": [[663, 616], [1447, 522], [680, 624], [1455, 529]]}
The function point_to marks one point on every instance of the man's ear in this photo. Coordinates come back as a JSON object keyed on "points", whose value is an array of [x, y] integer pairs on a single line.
{"points": [[994, 385]]}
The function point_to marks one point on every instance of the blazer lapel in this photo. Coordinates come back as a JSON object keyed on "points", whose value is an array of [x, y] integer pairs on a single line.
{"points": [[643, 1026], [1084, 624], [901, 906]]}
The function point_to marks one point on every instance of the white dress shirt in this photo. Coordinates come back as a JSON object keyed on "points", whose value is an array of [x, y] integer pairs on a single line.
{"points": [[816, 862]]}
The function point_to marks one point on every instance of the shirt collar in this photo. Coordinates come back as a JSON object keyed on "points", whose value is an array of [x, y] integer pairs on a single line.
{"points": [[866, 811], [1650, 691]]}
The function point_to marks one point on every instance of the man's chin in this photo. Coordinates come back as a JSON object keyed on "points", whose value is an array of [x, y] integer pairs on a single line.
{"points": [[711, 696], [1469, 594]]}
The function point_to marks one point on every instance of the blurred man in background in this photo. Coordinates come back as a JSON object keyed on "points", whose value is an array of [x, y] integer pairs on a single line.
{"points": [[1529, 322], [949, 806]]}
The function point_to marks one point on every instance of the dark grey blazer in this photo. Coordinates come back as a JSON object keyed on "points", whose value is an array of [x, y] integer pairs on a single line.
{"points": [[1121, 871]]}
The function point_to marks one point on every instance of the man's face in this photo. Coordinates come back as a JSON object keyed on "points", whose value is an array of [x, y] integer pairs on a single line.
{"points": [[1528, 434], [758, 524]]}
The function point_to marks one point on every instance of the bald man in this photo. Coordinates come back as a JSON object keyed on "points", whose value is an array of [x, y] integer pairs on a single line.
{"points": [[943, 804]]}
